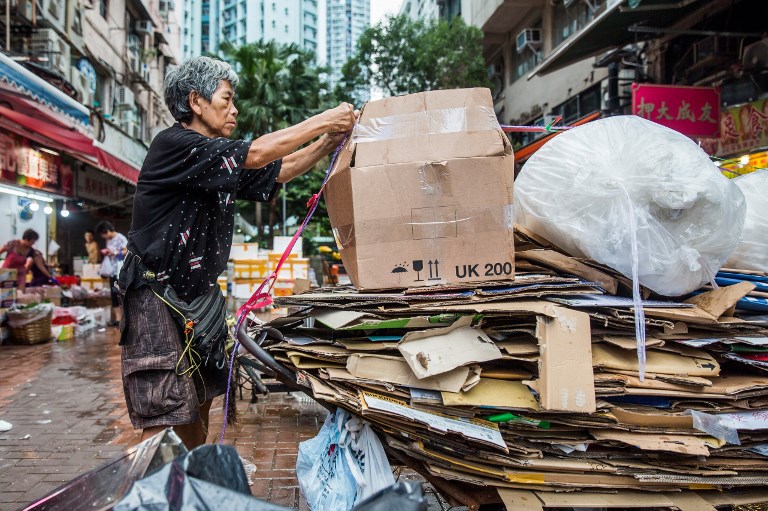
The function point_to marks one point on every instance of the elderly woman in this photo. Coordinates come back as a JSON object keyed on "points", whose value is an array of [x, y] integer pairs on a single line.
{"points": [[181, 236]]}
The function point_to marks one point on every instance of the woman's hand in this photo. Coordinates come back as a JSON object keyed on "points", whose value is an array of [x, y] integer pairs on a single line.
{"points": [[341, 119]]}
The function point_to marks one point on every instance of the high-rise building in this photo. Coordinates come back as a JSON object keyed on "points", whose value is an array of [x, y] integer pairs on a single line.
{"points": [[207, 23], [346, 21], [428, 10]]}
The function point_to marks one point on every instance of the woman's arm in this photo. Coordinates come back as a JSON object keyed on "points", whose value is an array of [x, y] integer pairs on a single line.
{"points": [[301, 161], [38, 260], [279, 144]]}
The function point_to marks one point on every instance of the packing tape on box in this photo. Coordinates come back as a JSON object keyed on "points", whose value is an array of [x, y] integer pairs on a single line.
{"points": [[427, 122], [429, 223]]}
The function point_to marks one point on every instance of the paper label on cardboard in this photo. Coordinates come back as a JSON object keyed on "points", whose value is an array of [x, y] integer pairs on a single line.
{"points": [[476, 429]]}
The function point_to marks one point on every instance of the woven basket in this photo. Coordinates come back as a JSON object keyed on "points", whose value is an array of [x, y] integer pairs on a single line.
{"points": [[34, 332]]}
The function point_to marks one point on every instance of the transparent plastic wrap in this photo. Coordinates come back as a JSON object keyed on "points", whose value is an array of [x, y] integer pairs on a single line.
{"points": [[426, 122], [636, 196], [752, 251]]}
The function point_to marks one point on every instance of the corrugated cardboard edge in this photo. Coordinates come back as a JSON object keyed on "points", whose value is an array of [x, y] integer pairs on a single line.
{"points": [[566, 379]]}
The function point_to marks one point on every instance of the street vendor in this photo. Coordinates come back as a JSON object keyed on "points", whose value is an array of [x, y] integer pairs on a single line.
{"points": [[173, 361]]}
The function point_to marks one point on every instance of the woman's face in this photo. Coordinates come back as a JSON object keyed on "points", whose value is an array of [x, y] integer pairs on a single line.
{"points": [[88, 237], [219, 114]]}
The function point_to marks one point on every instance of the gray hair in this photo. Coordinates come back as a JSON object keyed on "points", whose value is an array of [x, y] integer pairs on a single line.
{"points": [[201, 74]]}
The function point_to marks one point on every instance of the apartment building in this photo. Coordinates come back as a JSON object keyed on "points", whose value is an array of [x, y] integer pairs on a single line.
{"points": [[207, 23], [346, 20]]}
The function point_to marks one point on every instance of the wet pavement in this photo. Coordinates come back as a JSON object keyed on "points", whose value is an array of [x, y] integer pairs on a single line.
{"points": [[66, 404]]}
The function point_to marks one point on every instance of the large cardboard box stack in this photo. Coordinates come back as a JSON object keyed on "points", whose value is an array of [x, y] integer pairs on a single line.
{"points": [[421, 195], [533, 388]]}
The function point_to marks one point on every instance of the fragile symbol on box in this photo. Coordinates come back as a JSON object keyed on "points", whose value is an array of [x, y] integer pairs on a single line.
{"points": [[419, 266]]}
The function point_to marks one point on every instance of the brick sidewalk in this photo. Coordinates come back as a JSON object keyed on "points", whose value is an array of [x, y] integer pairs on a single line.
{"points": [[66, 405]]}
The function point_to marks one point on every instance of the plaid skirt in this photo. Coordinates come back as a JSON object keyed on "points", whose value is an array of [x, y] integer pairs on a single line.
{"points": [[159, 390]]}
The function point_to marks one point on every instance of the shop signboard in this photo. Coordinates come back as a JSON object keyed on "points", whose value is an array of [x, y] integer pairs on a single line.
{"points": [[97, 186], [742, 130], [24, 165], [693, 111]]}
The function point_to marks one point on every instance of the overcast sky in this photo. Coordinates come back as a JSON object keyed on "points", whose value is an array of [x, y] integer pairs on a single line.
{"points": [[380, 8]]}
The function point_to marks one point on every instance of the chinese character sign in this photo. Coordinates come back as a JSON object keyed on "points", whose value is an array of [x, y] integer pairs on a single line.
{"points": [[743, 129], [693, 111]]}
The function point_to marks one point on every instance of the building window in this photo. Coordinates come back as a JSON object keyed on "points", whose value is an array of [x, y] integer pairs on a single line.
{"points": [[569, 20], [286, 11], [286, 29], [274, 24], [103, 8]]}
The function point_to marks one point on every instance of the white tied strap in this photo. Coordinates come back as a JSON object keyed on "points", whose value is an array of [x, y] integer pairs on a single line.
{"points": [[636, 298]]}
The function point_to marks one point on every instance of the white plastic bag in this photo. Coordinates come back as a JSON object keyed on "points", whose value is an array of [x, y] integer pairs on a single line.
{"points": [[323, 470], [371, 468], [752, 251], [604, 188]]}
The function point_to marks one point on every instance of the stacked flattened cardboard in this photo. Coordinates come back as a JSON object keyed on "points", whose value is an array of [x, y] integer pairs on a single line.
{"points": [[533, 384]]}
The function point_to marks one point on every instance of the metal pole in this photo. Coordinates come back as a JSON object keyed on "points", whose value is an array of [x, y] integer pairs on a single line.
{"points": [[8, 26], [284, 213]]}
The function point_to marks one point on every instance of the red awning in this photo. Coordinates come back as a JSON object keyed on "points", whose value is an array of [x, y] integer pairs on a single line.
{"points": [[47, 132]]}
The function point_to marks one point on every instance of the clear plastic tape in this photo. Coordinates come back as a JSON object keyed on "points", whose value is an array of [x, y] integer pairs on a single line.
{"points": [[426, 223], [427, 122], [713, 425]]}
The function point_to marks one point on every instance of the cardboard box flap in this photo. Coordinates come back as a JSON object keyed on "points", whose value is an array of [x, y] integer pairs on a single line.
{"points": [[569, 265], [433, 125], [612, 357], [440, 350], [490, 393], [718, 301], [683, 444], [395, 370], [566, 381]]}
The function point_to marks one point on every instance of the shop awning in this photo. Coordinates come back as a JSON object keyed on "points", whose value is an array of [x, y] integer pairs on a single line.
{"points": [[609, 29], [526, 152], [25, 82], [70, 141]]}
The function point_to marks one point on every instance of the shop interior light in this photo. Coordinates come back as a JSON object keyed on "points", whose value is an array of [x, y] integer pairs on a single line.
{"points": [[64, 211], [34, 206], [49, 151], [47, 209], [744, 160], [22, 193]]}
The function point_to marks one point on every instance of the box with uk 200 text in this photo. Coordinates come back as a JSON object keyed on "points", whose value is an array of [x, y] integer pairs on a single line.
{"points": [[421, 194]]}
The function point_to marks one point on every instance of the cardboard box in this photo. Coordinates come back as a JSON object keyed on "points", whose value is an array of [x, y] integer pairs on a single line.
{"points": [[444, 217], [8, 277], [7, 297]]}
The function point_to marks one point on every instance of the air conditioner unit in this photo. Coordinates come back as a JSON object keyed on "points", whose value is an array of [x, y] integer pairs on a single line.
{"points": [[24, 9], [53, 12], [144, 27], [755, 56], [82, 85], [529, 38], [52, 51], [125, 97]]}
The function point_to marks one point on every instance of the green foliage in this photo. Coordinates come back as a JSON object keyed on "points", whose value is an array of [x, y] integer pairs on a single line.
{"points": [[401, 56]]}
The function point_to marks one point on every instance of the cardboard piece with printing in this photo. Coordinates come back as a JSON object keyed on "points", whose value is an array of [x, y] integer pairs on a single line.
{"points": [[424, 181]]}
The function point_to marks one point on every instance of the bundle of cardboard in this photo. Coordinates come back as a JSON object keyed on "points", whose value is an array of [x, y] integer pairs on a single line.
{"points": [[497, 360], [533, 384]]}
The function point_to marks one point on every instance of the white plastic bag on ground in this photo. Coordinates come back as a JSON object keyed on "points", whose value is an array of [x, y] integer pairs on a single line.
{"points": [[600, 188], [372, 470], [323, 470], [752, 251]]}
